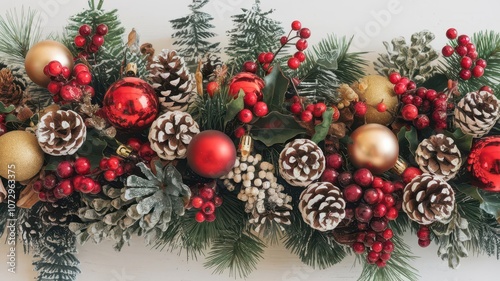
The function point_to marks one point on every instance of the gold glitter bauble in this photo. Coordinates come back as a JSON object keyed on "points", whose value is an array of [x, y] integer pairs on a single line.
{"points": [[21, 158]]}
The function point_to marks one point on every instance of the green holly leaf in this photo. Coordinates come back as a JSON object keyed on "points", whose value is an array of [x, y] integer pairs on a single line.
{"points": [[463, 141], [321, 130], [276, 128], [408, 139], [6, 109], [469, 190], [234, 107], [275, 89], [93, 148], [490, 202]]}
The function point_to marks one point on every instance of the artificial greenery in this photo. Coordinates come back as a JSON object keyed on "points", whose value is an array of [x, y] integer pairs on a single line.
{"points": [[192, 34]]}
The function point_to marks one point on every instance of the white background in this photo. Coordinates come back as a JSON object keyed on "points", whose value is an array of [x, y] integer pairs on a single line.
{"points": [[371, 22]]}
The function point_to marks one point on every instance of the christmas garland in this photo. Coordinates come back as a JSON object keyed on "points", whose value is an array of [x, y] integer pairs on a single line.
{"points": [[103, 139]]}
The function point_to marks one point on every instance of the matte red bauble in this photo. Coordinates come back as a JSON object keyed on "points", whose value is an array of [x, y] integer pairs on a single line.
{"points": [[211, 154], [248, 82], [130, 104], [484, 163]]}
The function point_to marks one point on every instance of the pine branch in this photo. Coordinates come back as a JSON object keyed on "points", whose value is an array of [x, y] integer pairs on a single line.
{"points": [[488, 48], [328, 65], [398, 268], [19, 32], [209, 112], [314, 248]]}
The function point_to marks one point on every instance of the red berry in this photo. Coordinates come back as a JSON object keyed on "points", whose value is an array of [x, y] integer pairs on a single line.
{"points": [[301, 44], [424, 243], [82, 166], [78, 68], [363, 213], [334, 161], [371, 196], [71, 93], [207, 193], [134, 143], [388, 187], [379, 210], [212, 88], [110, 175], [85, 30], [421, 122], [306, 116], [407, 99], [42, 196], [38, 186], [463, 40], [97, 188], [208, 207], [200, 217], [103, 164], [336, 113], [146, 152], [447, 51], [381, 107], [392, 213], [345, 178], [358, 248], [80, 41], [377, 246], [301, 56], [411, 85], [65, 169], [378, 224], [360, 109], [245, 115], [353, 193], [102, 29], [83, 78], [410, 173], [66, 186], [296, 108], [451, 33], [424, 233], [373, 256], [239, 132], [97, 40], [197, 202], [54, 87], [440, 104], [409, 112], [400, 88], [305, 33], [394, 77], [387, 234], [377, 182], [385, 256], [487, 89], [210, 217], [330, 175], [283, 40], [461, 50], [296, 25], [250, 99], [319, 109], [388, 246], [269, 57], [87, 185], [293, 63], [54, 68], [250, 66], [260, 109], [217, 201], [471, 47], [439, 116], [65, 72], [431, 94], [363, 177], [466, 62], [113, 163], [417, 101], [481, 62], [261, 57], [50, 181], [477, 71]]}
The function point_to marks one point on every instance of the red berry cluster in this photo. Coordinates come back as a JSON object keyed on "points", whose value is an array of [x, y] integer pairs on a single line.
{"points": [[311, 112], [254, 106], [378, 246], [420, 103], [206, 201], [114, 167], [472, 66], [70, 176], [143, 149], [3, 126], [424, 236], [88, 42], [66, 85]]}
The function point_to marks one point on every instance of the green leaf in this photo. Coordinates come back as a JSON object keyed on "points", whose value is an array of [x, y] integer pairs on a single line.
{"points": [[469, 190], [463, 141], [234, 106], [174, 184], [490, 202], [11, 118], [321, 130], [8, 109], [275, 89], [408, 139], [93, 148], [276, 128]]}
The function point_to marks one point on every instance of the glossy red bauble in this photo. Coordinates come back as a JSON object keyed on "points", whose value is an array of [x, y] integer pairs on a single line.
{"points": [[131, 104], [211, 154], [248, 82], [484, 163]]}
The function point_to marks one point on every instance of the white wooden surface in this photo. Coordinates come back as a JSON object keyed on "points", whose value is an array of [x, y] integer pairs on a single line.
{"points": [[371, 22]]}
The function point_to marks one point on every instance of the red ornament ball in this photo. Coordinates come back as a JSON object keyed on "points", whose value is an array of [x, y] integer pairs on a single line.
{"points": [[131, 104], [211, 154], [248, 82], [484, 163]]}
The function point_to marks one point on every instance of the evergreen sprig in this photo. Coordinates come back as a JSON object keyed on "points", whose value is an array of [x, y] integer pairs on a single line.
{"points": [[209, 112]]}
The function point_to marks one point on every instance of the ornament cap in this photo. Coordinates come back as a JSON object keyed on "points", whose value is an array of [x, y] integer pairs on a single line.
{"points": [[131, 70], [246, 145], [124, 151], [400, 166]]}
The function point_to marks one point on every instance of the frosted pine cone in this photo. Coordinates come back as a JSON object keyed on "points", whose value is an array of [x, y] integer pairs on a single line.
{"points": [[440, 156], [322, 206], [172, 81], [11, 91], [427, 199], [171, 133], [61, 132], [476, 113], [301, 162]]}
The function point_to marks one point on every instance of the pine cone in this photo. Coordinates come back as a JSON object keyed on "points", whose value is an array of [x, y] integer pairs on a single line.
{"points": [[59, 212], [211, 63], [171, 133], [427, 199], [61, 132], [476, 113], [439, 155], [172, 81], [301, 162], [263, 220], [11, 92], [322, 206]]}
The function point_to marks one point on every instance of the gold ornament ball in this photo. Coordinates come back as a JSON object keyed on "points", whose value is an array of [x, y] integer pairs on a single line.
{"points": [[40, 54], [21, 158], [373, 89], [374, 147]]}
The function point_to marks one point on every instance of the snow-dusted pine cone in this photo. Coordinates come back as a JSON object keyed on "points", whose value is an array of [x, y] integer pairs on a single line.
{"points": [[476, 113], [172, 81], [211, 63], [171, 133], [322, 206], [61, 132], [301, 162], [11, 91], [440, 156], [427, 199]]}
